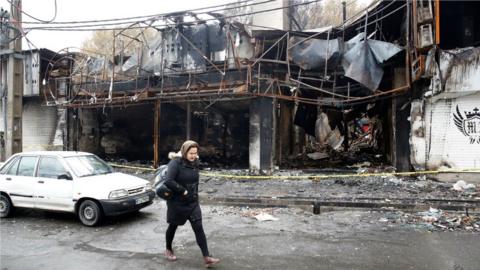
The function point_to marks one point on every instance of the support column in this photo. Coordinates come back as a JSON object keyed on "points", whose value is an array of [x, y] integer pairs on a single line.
{"points": [[189, 121], [400, 125], [285, 132], [156, 133], [262, 135], [76, 127], [345, 131]]}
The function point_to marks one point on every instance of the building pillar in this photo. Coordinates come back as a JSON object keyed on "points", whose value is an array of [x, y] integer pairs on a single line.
{"points": [[262, 135], [156, 133], [400, 134], [189, 121]]}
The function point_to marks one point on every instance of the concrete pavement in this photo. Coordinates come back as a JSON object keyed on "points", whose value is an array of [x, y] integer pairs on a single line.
{"points": [[297, 240]]}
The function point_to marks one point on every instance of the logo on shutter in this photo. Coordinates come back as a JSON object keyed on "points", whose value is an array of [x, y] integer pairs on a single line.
{"points": [[468, 125]]}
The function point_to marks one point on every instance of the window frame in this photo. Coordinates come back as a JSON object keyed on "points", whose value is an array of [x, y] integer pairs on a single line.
{"points": [[73, 172], [34, 167], [59, 159], [6, 167]]}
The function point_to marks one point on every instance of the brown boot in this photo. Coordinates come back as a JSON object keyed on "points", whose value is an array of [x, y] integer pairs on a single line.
{"points": [[209, 261], [170, 256]]}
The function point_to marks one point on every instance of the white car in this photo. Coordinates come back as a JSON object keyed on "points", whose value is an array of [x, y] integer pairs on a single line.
{"points": [[75, 182]]}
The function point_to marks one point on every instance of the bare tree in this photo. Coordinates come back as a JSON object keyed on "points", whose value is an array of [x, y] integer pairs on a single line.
{"points": [[101, 42], [239, 8], [322, 13], [313, 15]]}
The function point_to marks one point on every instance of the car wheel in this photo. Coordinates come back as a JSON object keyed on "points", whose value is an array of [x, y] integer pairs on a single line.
{"points": [[89, 213], [6, 206]]}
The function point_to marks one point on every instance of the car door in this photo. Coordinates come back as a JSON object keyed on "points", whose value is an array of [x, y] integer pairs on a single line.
{"points": [[8, 169], [55, 185], [21, 181]]}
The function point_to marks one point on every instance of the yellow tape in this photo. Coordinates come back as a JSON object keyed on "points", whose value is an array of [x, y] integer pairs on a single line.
{"points": [[131, 167], [315, 177]]}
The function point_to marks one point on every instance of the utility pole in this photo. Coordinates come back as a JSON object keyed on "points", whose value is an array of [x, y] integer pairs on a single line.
{"points": [[12, 108]]}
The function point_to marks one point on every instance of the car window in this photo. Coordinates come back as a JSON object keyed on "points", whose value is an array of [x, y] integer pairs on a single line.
{"points": [[26, 166], [88, 165], [50, 167], [12, 170]]}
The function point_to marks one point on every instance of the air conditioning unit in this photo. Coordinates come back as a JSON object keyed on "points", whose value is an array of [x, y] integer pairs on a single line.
{"points": [[424, 11], [425, 35]]}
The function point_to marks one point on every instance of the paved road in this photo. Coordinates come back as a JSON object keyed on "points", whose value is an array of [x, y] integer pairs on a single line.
{"points": [[297, 240]]}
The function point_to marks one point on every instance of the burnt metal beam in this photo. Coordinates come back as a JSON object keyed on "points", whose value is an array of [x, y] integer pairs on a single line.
{"points": [[170, 82]]}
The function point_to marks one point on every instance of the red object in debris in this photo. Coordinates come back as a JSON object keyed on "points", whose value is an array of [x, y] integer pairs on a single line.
{"points": [[365, 128]]}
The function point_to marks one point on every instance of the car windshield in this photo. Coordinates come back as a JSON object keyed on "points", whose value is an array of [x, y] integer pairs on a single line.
{"points": [[88, 165]]}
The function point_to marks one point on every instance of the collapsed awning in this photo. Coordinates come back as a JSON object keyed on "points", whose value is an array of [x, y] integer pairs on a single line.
{"points": [[363, 59], [315, 53]]}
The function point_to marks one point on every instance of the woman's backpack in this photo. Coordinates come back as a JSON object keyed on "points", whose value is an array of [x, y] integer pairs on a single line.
{"points": [[159, 183]]}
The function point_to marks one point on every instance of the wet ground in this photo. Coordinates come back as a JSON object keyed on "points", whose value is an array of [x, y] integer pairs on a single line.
{"points": [[356, 239]]}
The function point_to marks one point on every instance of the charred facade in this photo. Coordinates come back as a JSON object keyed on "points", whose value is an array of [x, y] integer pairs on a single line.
{"points": [[361, 91]]}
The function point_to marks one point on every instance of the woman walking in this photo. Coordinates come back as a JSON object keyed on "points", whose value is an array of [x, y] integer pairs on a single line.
{"points": [[182, 179]]}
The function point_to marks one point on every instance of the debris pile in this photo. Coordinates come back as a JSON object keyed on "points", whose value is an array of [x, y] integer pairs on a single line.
{"points": [[463, 186], [364, 134], [434, 219]]}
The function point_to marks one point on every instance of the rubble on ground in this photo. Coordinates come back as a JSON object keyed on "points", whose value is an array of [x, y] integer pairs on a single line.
{"points": [[462, 186], [434, 220], [333, 184]]}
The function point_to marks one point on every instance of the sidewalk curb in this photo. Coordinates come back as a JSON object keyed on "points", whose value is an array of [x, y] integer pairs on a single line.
{"points": [[405, 204]]}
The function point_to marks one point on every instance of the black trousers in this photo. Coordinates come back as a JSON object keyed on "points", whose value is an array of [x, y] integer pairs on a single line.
{"points": [[199, 235]]}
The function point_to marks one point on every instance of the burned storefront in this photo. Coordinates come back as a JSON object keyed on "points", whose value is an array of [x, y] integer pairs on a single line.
{"points": [[334, 87], [189, 81], [360, 92]]}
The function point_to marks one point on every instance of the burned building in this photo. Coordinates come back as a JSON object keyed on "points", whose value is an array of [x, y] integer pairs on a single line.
{"points": [[445, 101], [42, 126], [396, 84]]}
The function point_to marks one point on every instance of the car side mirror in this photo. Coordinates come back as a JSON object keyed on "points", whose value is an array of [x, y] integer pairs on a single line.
{"points": [[65, 176]]}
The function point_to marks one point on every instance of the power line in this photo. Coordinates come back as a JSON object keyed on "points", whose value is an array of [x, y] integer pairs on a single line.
{"points": [[72, 28], [383, 17], [28, 15], [366, 9], [167, 15], [160, 14]]}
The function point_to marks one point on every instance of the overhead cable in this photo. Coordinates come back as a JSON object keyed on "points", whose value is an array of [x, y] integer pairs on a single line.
{"points": [[35, 18], [70, 28], [147, 17]]}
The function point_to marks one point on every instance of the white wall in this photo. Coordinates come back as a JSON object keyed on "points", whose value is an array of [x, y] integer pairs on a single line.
{"points": [[444, 144]]}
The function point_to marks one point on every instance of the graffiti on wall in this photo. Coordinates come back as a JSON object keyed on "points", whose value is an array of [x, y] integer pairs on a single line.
{"points": [[468, 124]]}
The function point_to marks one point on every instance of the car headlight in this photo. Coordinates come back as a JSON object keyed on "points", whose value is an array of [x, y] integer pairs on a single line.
{"points": [[117, 194], [148, 186]]}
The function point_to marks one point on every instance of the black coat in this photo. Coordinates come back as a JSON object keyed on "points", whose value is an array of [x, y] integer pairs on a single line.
{"points": [[183, 175]]}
